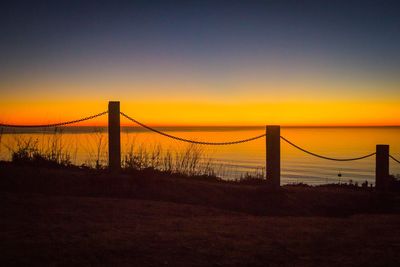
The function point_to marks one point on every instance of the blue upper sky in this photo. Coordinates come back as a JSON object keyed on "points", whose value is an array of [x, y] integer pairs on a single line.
{"points": [[359, 33]]}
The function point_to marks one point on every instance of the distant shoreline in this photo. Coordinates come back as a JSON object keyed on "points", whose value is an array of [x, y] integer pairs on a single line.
{"points": [[86, 129]]}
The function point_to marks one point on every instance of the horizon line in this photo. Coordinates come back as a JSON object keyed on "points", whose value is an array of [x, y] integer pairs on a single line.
{"points": [[243, 126]]}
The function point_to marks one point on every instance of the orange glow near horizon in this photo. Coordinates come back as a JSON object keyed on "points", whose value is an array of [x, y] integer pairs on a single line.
{"points": [[168, 113], [178, 102], [312, 98]]}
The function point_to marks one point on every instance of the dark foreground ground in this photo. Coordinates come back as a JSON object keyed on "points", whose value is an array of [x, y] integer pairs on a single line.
{"points": [[83, 218]]}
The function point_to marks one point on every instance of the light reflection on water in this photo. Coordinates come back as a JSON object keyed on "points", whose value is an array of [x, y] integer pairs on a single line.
{"points": [[235, 160]]}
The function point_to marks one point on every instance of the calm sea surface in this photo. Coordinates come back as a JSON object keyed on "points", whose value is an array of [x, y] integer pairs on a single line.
{"points": [[86, 144]]}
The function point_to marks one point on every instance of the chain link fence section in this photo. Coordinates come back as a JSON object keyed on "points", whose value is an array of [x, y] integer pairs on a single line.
{"points": [[324, 157], [393, 158], [54, 124], [193, 141]]}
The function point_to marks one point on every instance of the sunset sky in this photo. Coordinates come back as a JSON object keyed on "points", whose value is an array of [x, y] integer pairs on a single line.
{"points": [[203, 62]]}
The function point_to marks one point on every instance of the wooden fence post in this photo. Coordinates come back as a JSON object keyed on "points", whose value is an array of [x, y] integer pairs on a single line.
{"points": [[114, 136], [273, 159], [382, 167]]}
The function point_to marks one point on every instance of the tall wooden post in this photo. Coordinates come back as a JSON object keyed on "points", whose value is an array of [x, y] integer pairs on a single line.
{"points": [[381, 167], [114, 136], [273, 160]]}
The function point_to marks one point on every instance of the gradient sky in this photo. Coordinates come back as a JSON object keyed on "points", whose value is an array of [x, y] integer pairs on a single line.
{"points": [[203, 62]]}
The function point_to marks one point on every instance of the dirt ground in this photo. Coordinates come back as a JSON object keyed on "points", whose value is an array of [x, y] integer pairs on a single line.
{"points": [[73, 217], [37, 229]]}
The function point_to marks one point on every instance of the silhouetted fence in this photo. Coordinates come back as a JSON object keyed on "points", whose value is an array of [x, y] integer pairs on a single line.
{"points": [[272, 135]]}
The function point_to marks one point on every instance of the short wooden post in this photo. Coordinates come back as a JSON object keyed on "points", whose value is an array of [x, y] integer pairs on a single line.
{"points": [[114, 136], [273, 159], [381, 166]]}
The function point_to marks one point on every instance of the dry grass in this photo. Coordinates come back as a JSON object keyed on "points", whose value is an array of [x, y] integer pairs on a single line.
{"points": [[189, 161], [96, 147], [52, 152]]}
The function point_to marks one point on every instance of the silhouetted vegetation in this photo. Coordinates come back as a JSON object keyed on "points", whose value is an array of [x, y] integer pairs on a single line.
{"points": [[28, 151], [257, 178], [191, 161]]}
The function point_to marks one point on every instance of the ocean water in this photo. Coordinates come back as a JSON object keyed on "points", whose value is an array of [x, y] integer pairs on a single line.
{"points": [[87, 144]]}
